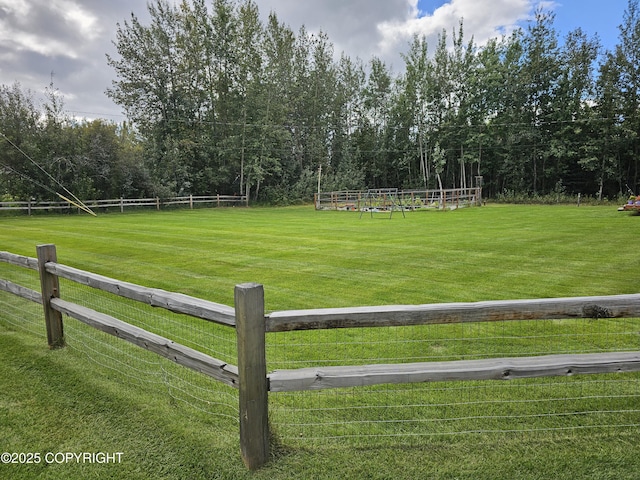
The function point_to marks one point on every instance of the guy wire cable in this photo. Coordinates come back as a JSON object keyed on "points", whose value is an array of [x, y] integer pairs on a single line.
{"points": [[76, 201]]}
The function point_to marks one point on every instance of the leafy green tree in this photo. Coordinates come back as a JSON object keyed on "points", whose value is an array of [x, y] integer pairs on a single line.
{"points": [[19, 129], [604, 160], [377, 98], [541, 71], [270, 134], [249, 82], [485, 103], [226, 103], [417, 104], [573, 142], [627, 57], [462, 65], [342, 171]]}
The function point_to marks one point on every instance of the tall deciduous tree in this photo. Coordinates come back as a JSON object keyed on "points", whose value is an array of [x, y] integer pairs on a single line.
{"points": [[627, 57], [377, 96], [417, 102], [19, 127], [540, 75], [226, 103]]}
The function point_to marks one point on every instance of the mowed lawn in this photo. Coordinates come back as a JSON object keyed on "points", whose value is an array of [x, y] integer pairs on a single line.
{"points": [[309, 259], [59, 401]]}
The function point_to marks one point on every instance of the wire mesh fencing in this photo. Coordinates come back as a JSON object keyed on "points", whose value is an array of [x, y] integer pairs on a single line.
{"points": [[184, 386], [18, 313], [421, 412], [366, 415], [127, 363]]}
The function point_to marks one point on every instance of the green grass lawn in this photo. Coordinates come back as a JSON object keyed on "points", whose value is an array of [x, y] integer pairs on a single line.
{"points": [[59, 401], [309, 259]]}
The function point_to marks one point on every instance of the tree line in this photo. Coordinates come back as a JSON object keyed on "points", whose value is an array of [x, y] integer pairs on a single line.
{"points": [[218, 101], [43, 151]]}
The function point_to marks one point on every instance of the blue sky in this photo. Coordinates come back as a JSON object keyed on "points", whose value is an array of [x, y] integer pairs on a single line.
{"points": [[70, 38], [593, 16]]}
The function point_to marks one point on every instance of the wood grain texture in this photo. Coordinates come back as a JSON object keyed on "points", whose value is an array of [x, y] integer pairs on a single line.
{"points": [[486, 369], [252, 369], [175, 352], [19, 260], [20, 291], [174, 302], [615, 306], [50, 289]]}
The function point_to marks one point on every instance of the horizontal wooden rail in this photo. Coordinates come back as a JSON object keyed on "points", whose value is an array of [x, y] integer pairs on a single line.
{"points": [[205, 199], [20, 291], [180, 354], [615, 306], [34, 206], [410, 199], [14, 288], [123, 203], [19, 260], [485, 369], [174, 302]]}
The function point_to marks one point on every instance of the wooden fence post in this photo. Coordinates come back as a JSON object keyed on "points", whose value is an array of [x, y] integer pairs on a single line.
{"points": [[252, 371], [50, 287]]}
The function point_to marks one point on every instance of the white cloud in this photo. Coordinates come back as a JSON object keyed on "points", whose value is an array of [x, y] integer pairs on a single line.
{"points": [[350, 24], [25, 41], [482, 19], [21, 7], [71, 37], [62, 27], [383, 28], [78, 18]]}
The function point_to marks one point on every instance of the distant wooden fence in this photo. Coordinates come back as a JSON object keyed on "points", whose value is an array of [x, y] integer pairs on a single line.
{"points": [[357, 200], [121, 204], [248, 317]]}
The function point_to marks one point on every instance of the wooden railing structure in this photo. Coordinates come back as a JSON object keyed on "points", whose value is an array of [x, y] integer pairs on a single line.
{"points": [[252, 325], [445, 199], [190, 201]]}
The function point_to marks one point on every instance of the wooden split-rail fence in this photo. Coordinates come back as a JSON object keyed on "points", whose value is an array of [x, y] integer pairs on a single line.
{"points": [[248, 318], [378, 199], [122, 204]]}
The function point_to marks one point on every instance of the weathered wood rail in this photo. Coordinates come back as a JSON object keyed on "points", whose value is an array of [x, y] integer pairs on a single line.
{"points": [[185, 356], [190, 201], [616, 306], [154, 297], [601, 307], [459, 370], [20, 291], [14, 288], [356, 200], [254, 415], [253, 327]]}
